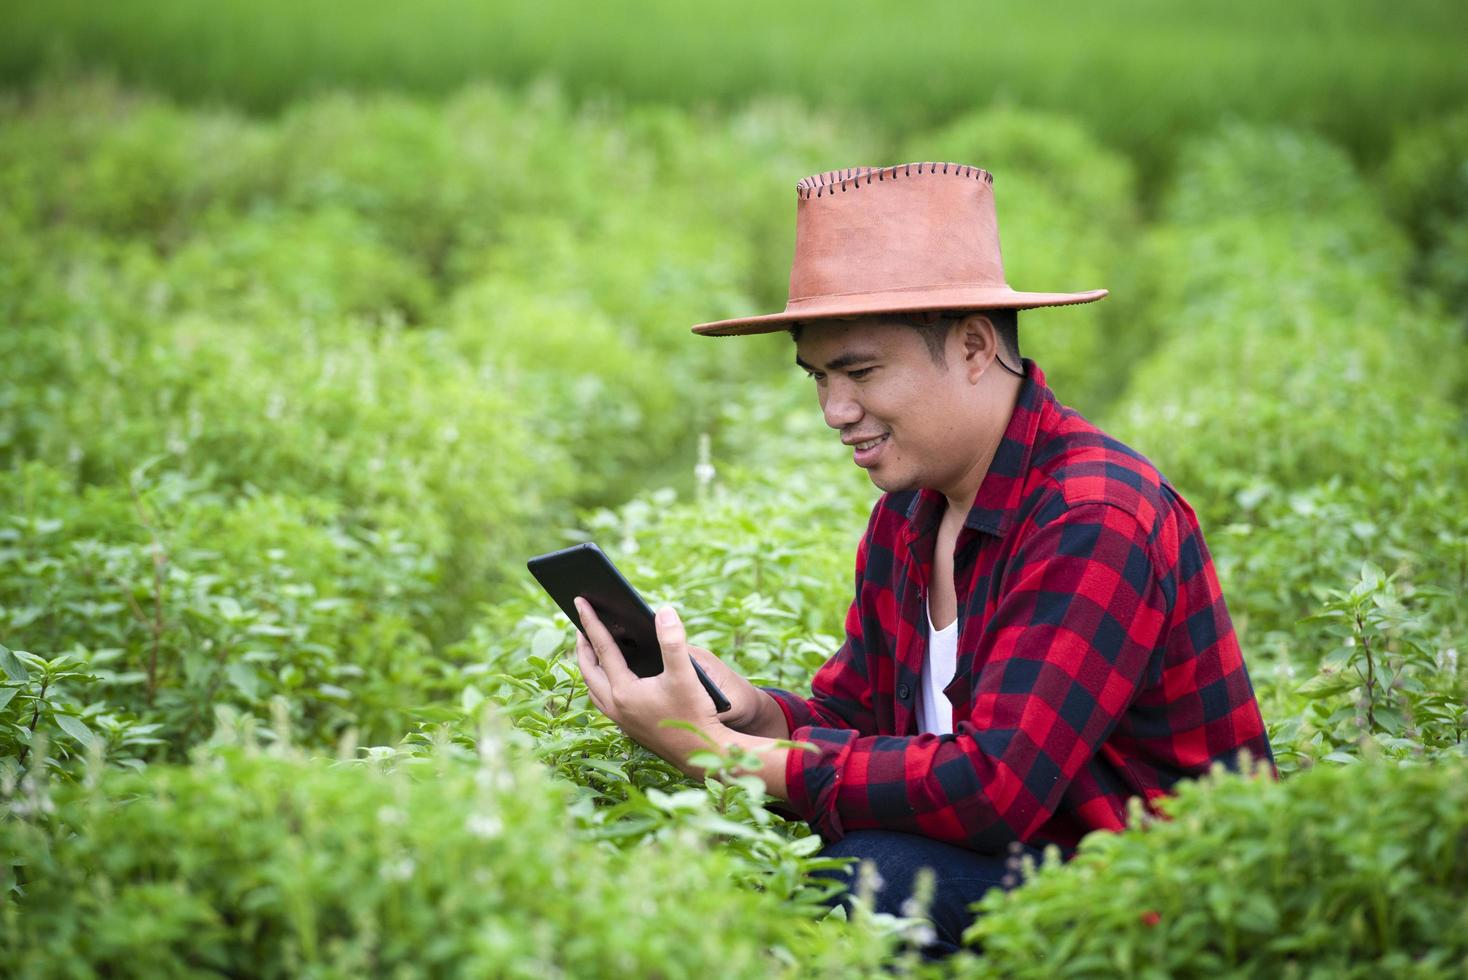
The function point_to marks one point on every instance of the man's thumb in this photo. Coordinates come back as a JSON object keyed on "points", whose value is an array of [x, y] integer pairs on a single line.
{"points": [[673, 639]]}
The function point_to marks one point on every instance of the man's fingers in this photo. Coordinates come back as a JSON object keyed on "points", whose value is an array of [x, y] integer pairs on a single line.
{"points": [[591, 672], [710, 663], [613, 664]]}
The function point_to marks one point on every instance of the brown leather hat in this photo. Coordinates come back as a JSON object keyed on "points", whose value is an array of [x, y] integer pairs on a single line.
{"points": [[917, 237]]}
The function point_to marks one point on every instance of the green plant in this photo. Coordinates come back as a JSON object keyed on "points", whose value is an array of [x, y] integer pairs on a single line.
{"points": [[273, 864], [1304, 406], [1388, 681], [1349, 872], [1144, 73], [147, 608], [1426, 184]]}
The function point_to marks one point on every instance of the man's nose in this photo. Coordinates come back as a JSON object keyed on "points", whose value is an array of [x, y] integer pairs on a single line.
{"points": [[840, 408]]}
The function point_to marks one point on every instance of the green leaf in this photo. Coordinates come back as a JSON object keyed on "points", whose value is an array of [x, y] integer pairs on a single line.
{"points": [[706, 759], [1389, 719], [12, 666], [601, 765], [75, 727], [6, 694], [1325, 685], [546, 641], [244, 678], [710, 823], [469, 699]]}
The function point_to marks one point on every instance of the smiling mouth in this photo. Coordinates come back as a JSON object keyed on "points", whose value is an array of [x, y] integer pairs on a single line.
{"points": [[865, 453]]}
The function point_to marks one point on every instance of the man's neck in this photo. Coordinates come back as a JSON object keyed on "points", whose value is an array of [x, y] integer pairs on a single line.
{"points": [[993, 419]]}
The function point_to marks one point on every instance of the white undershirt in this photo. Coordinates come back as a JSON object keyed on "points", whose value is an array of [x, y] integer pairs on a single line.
{"points": [[935, 711]]}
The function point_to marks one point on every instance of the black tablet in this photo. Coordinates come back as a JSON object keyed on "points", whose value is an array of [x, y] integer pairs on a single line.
{"points": [[584, 570]]}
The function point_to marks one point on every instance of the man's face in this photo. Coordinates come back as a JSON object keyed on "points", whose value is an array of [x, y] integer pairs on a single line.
{"points": [[903, 414]]}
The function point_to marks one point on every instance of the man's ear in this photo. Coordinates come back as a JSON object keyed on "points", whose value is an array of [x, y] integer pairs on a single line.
{"points": [[979, 344]]}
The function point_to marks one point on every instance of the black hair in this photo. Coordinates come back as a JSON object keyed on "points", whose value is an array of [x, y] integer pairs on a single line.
{"points": [[933, 328]]}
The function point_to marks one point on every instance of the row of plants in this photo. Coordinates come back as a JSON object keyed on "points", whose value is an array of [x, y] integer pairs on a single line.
{"points": [[1352, 871], [1324, 451], [271, 863], [1426, 186], [1142, 72], [454, 322]]}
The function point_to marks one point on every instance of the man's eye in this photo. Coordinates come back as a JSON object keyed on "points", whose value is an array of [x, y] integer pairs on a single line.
{"points": [[859, 373], [814, 376]]}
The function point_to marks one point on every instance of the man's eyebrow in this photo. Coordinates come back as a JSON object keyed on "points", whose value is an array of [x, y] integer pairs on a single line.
{"points": [[844, 361]]}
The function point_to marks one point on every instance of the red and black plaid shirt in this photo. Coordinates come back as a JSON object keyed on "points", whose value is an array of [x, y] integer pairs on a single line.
{"points": [[1096, 658]]}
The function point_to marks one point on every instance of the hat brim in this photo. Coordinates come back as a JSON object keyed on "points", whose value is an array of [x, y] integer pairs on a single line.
{"points": [[894, 301]]}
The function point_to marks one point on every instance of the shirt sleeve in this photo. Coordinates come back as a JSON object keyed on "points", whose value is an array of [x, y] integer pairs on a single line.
{"points": [[1061, 658], [841, 691]]}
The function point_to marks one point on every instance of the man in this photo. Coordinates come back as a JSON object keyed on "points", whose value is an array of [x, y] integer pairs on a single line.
{"points": [[1037, 634]]}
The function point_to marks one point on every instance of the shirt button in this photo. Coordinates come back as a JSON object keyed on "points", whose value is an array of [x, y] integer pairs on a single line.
{"points": [[903, 691]]}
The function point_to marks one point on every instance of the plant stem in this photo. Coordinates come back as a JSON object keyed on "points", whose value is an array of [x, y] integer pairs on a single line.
{"points": [[160, 559], [35, 718], [1370, 674]]}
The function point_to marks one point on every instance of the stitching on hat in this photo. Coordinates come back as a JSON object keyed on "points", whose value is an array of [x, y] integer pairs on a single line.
{"points": [[850, 178]]}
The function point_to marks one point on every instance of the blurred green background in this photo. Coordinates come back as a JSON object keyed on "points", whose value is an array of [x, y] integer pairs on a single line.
{"points": [[317, 318], [1143, 72]]}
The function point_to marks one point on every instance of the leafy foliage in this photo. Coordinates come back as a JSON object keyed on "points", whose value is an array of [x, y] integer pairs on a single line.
{"points": [[1143, 73], [1426, 184], [1326, 436], [159, 603], [275, 865], [1346, 872]]}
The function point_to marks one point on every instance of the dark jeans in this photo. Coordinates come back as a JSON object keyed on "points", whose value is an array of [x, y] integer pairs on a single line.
{"points": [[962, 877]]}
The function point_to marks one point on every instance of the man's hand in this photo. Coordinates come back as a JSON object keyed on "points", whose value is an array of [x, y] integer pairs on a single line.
{"points": [[639, 704], [750, 710]]}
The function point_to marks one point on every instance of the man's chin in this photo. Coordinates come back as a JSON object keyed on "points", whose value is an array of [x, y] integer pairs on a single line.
{"points": [[890, 482]]}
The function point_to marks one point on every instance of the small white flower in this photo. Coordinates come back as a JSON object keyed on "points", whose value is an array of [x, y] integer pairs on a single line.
{"points": [[399, 870], [922, 934], [485, 825], [868, 879]]}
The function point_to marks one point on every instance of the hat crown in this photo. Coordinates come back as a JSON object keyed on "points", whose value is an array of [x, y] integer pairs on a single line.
{"points": [[908, 227], [909, 238]]}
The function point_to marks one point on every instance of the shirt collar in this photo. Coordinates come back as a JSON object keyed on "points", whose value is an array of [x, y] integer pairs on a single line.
{"points": [[1002, 489]]}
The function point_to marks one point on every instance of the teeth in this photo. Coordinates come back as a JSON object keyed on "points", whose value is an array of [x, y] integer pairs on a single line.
{"points": [[870, 443]]}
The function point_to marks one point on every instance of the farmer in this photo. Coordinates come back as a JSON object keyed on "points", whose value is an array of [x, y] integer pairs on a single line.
{"points": [[1037, 634]]}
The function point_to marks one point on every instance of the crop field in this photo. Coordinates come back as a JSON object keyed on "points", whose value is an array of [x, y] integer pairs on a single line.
{"points": [[310, 339]]}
